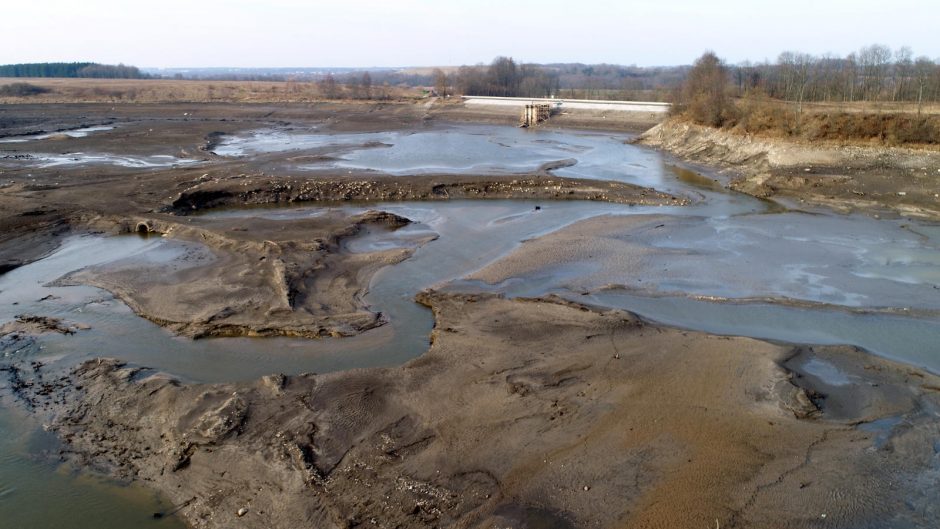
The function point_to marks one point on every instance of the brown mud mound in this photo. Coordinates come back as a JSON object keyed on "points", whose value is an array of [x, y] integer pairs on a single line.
{"points": [[529, 413], [32, 325], [254, 277], [256, 190]]}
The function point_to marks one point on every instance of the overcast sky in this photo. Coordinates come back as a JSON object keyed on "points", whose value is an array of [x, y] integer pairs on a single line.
{"points": [[275, 33]]}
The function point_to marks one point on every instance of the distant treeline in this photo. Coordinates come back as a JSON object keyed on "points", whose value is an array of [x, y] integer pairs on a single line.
{"points": [[72, 69], [504, 77], [874, 73], [771, 101]]}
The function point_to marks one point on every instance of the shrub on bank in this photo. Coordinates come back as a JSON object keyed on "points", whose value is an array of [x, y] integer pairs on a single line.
{"points": [[21, 90], [704, 95]]}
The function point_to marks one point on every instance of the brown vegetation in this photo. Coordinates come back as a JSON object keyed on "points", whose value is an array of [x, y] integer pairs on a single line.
{"points": [[772, 101], [772, 118], [704, 95], [182, 91], [874, 73], [21, 90]]}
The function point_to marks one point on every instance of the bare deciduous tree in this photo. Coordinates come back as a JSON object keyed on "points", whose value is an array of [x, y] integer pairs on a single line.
{"points": [[328, 87], [704, 95], [440, 82], [366, 85], [924, 69]]}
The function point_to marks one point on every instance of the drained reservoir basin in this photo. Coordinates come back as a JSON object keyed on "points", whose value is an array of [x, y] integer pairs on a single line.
{"points": [[729, 264]]}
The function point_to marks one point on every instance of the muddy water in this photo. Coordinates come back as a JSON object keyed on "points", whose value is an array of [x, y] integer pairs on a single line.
{"points": [[470, 235], [837, 265], [478, 149], [36, 492], [454, 149], [850, 261]]}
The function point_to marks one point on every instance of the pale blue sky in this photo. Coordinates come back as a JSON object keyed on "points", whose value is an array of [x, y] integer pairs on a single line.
{"points": [[273, 33]]}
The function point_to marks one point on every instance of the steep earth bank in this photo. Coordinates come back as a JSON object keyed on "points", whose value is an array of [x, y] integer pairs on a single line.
{"points": [[844, 177]]}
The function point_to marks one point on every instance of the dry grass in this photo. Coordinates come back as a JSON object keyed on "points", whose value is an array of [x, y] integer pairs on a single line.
{"points": [[890, 124], [868, 107], [177, 91]]}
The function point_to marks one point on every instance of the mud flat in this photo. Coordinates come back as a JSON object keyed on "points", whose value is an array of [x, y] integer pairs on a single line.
{"points": [[901, 181], [563, 416]]}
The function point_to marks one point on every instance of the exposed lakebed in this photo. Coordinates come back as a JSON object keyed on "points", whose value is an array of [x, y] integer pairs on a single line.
{"points": [[729, 265]]}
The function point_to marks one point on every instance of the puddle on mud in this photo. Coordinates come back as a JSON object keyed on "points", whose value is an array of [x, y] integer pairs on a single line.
{"points": [[45, 160], [529, 517], [828, 373], [883, 430], [380, 240], [911, 340], [42, 159], [852, 261], [73, 133]]}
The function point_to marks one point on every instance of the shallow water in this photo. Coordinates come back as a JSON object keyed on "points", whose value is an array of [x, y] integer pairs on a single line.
{"points": [[41, 158], [911, 340], [479, 149], [851, 261], [471, 234], [35, 491]]}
